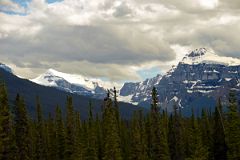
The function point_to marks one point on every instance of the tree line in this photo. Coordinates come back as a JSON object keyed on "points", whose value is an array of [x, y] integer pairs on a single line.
{"points": [[152, 136]]}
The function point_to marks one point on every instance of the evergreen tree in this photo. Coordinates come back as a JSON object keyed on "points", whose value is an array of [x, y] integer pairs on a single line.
{"points": [[99, 138], [219, 143], [22, 131], [8, 148], [112, 150], [60, 134], [196, 148], [91, 153], [78, 135], [40, 137], [124, 139], [69, 150], [176, 136], [138, 145], [206, 133], [148, 134], [233, 128], [159, 138], [52, 145]]}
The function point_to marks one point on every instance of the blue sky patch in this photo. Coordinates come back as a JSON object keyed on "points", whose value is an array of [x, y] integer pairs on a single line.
{"points": [[53, 1], [147, 73], [23, 3]]}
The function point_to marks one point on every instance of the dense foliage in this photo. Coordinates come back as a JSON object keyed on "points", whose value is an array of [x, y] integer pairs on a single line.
{"points": [[155, 136]]}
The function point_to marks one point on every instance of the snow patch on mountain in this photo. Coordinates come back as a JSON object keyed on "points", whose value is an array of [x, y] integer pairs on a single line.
{"points": [[202, 55], [74, 83], [127, 99], [51, 75]]}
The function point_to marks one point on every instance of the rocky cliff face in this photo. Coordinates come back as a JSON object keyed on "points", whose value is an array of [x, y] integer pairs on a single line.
{"points": [[140, 91], [199, 75]]}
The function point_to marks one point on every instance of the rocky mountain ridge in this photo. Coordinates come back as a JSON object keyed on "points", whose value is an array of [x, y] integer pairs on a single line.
{"points": [[198, 75]]}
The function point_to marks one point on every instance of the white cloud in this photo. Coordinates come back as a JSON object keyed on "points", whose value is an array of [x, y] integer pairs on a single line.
{"points": [[118, 37]]}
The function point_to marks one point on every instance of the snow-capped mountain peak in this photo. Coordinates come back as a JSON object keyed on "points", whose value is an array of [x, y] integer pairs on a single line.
{"points": [[202, 55], [75, 83], [201, 73], [197, 52]]}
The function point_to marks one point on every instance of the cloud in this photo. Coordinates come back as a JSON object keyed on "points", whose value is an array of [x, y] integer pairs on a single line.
{"points": [[122, 10], [114, 39]]}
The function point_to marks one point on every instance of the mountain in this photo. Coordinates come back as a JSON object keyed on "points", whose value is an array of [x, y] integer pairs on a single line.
{"points": [[73, 83], [197, 81], [133, 92], [50, 96]]}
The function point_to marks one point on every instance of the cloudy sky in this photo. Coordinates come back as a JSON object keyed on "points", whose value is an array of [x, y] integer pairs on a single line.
{"points": [[119, 40]]}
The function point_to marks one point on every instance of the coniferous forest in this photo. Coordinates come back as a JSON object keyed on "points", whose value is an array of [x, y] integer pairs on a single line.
{"points": [[106, 136]]}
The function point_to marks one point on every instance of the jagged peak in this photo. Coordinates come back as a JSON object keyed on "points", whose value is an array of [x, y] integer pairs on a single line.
{"points": [[197, 52], [202, 55]]}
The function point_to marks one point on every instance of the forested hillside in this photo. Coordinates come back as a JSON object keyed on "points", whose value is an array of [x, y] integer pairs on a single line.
{"points": [[50, 97], [107, 136]]}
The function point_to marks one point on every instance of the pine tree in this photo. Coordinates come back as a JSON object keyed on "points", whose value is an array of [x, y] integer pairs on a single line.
{"points": [[69, 150], [148, 134], [78, 135], [219, 143], [8, 148], [52, 145], [112, 150], [233, 128], [196, 148], [99, 138], [91, 153], [60, 134], [159, 138], [40, 137], [206, 133], [22, 131], [176, 136], [138, 145]]}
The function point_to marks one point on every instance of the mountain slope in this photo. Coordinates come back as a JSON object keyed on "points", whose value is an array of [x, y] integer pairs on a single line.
{"points": [[133, 92], [50, 97], [72, 83], [200, 75]]}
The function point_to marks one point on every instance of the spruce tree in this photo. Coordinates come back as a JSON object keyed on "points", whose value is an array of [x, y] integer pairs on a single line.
{"points": [[99, 137], [233, 128], [22, 131], [159, 148], [78, 137], [52, 145], [219, 143], [138, 145], [206, 133], [40, 135], [195, 146], [176, 136], [8, 148], [148, 134], [60, 134], [91, 150], [69, 150], [112, 150]]}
